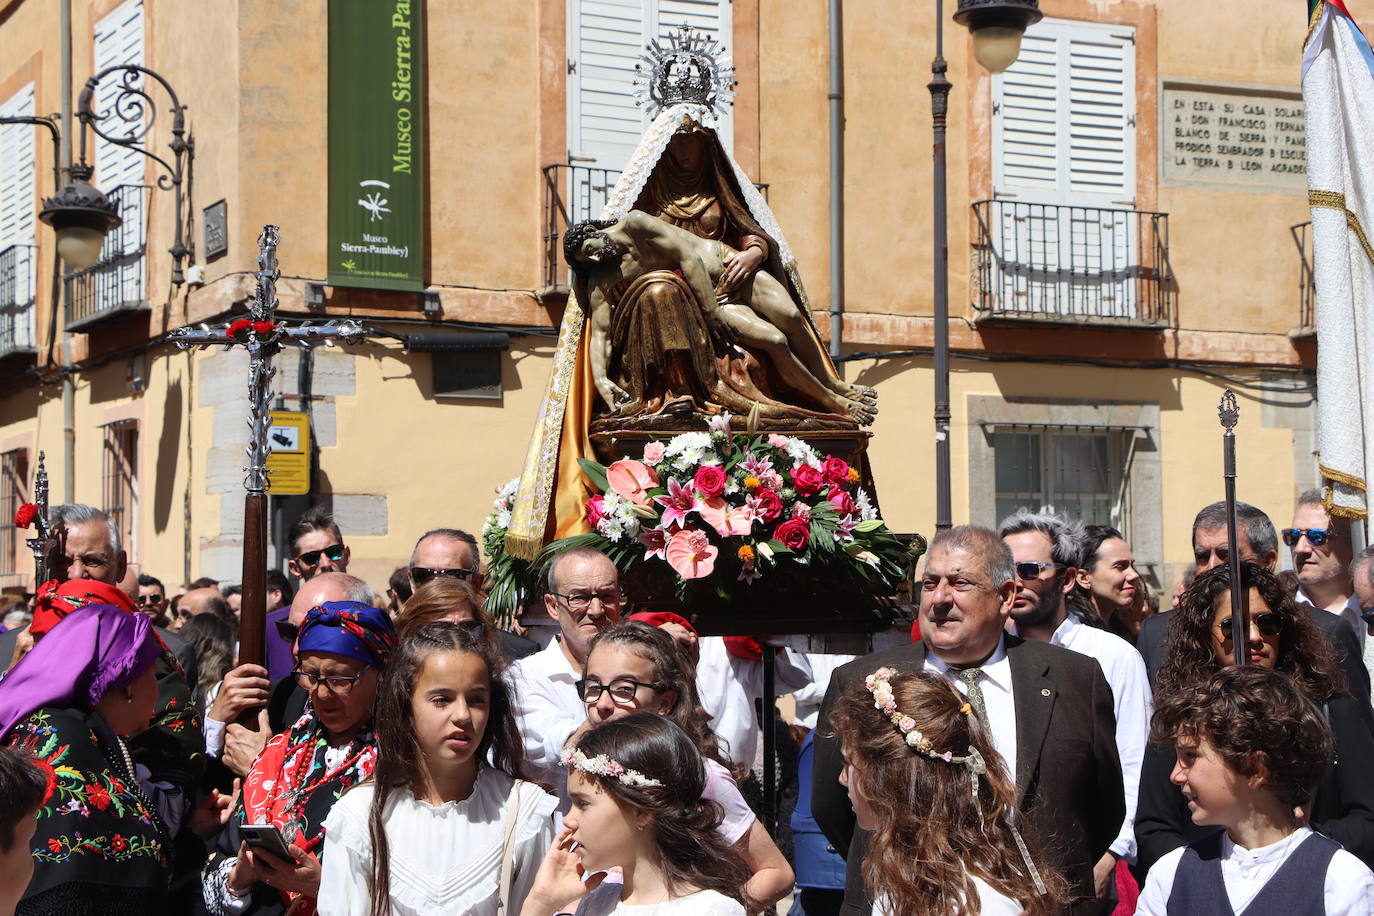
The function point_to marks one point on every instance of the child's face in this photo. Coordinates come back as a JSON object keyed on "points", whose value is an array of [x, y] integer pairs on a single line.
{"points": [[863, 811], [608, 833], [1212, 788], [611, 663], [16, 863], [451, 703]]}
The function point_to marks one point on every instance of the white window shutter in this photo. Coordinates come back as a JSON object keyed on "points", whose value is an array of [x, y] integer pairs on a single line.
{"points": [[18, 167], [1102, 116], [1026, 141], [118, 40]]}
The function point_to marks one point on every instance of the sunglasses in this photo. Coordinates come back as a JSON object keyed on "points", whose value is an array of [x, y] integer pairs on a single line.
{"points": [[148, 600], [1315, 536], [422, 574], [1031, 569], [287, 630], [312, 557], [1269, 624]]}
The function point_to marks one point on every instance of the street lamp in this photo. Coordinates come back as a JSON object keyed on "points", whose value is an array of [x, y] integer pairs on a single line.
{"points": [[997, 27], [80, 215]]}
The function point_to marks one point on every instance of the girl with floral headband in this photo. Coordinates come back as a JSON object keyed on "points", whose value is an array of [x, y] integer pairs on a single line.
{"points": [[924, 777], [636, 786]]}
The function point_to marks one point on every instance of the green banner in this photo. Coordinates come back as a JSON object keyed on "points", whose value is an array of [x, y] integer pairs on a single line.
{"points": [[376, 156]]}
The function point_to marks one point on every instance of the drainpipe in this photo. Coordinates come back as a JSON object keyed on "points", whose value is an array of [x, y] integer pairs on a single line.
{"points": [[836, 16], [68, 386]]}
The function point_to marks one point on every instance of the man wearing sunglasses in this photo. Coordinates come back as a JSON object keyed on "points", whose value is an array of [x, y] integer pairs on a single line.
{"points": [[1322, 551], [316, 545], [443, 552], [1047, 551]]}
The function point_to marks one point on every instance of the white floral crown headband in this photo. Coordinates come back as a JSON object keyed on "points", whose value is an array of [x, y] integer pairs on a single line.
{"points": [[601, 765], [879, 683]]}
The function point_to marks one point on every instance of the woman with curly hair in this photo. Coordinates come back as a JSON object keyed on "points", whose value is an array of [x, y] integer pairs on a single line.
{"points": [[635, 667], [925, 778], [1283, 638]]}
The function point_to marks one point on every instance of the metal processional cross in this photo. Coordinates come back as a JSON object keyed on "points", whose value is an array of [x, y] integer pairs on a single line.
{"points": [[263, 338]]}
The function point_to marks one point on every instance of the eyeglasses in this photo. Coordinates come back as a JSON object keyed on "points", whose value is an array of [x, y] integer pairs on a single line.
{"points": [[337, 684], [1315, 536], [1031, 569], [581, 602], [287, 630], [1269, 624], [423, 574], [335, 552], [623, 690]]}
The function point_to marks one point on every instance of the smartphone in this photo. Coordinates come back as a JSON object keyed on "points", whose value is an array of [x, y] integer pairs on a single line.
{"points": [[266, 837]]}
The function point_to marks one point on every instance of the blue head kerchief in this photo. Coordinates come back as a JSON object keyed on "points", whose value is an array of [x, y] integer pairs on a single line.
{"points": [[348, 628]]}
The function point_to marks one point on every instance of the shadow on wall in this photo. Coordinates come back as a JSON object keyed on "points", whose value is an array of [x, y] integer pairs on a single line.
{"points": [[168, 453]]}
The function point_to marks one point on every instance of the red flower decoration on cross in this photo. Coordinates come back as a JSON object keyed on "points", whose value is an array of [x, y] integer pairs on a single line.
{"points": [[263, 328], [24, 515], [238, 328]]}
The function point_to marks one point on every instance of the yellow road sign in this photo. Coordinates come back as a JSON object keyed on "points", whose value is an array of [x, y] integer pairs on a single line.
{"points": [[288, 461]]}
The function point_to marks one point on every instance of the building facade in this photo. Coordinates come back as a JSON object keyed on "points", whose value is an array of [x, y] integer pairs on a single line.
{"points": [[1125, 240]]}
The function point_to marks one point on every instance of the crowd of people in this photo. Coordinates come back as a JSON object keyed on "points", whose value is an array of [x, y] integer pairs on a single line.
{"points": [[1046, 743]]}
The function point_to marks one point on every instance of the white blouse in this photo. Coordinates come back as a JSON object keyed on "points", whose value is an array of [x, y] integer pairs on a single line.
{"points": [[605, 901], [444, 859], [991, 902]]}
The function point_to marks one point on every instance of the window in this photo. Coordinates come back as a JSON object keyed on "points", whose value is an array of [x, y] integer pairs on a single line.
{"points": [[14, 473], [18, 199], [1078, 472], [120, 479]]}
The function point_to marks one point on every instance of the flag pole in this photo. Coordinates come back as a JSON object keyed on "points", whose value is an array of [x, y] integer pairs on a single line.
{"points": [[1229, 411]]}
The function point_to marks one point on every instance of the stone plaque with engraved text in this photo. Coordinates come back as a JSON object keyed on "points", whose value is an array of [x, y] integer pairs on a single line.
{"points": [[1222, 136]]}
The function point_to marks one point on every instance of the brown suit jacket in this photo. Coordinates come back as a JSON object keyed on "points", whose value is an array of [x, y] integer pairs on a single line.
{"points": [[1068, 774]]}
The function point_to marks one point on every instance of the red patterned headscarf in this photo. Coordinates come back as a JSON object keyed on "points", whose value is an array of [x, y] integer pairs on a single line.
{"points": [[58, 599]]}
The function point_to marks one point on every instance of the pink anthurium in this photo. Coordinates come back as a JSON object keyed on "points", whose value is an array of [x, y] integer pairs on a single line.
{"points": [[691, 554], [632, 479], [728, 521]]}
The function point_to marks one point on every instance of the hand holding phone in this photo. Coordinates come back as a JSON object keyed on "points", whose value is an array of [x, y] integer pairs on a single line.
{"points": [[266, 838]]}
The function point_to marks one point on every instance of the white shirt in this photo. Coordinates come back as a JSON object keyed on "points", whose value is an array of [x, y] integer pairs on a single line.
{"points": [[810, 697], [547, 709], [729, 686], [444, 859], [605, 901], [991, 902], [1350, 614], [1349, 886], [998, 700], [722, 789], [1124, 669]]}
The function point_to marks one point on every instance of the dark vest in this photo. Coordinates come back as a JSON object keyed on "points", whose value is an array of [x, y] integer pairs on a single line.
{"points": [[1298, 888]]}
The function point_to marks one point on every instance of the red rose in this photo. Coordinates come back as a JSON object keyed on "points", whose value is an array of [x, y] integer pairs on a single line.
{"points": [[98, 797], [770, 504], [842, 501], [807, 480], [263, 327], [795, 533], [836, 471], [24, 515], [596, 510], [238, 327], [710, 481]]}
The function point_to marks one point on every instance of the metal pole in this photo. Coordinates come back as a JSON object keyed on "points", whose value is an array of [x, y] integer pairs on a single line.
{"points": [[68, 386], [939, 88], [1229, 411], [836, 9]]}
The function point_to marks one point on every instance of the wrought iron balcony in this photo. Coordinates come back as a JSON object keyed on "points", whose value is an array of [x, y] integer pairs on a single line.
{"points": [[1307, 284], [115, 283], [16, 299], [573, 193], [1063, 264]]}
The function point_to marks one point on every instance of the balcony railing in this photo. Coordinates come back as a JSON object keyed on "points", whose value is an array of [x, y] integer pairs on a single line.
{"points": [[573, 193], [115, 283], [1307, 284], [16, 299], [1065, 264]]}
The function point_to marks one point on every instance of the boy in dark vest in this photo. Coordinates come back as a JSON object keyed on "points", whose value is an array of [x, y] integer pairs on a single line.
{"points": [[1251, 750]]}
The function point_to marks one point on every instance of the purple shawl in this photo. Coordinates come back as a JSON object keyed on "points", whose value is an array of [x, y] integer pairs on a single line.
{"points": [[93, 650]]}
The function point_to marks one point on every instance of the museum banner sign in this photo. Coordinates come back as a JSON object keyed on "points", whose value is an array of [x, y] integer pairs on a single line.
{"points": [[376, 160]]}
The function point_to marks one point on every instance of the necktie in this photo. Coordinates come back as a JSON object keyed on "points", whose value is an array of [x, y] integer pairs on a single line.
{"points": [[975, 693]]}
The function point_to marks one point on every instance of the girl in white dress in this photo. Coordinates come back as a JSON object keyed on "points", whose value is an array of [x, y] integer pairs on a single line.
{"points": [[444, 825], [635, 667], [637, 789], [925, 779]]}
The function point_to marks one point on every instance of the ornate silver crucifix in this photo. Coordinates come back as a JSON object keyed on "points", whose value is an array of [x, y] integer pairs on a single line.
{"points": [[263, 338]]}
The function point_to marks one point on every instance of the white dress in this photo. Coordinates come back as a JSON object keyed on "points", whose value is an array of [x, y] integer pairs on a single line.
{"points": [[991, 902], [444, 859], [605, 901]]}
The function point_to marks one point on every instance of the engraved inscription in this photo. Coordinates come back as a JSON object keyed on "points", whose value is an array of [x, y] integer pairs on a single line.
{"points": [[1220, 136]]}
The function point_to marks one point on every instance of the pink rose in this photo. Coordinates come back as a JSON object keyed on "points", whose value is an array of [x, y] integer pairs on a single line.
{"points": [[836, 471], [653, 452], [795, 533], [596, 510], [778, 441], [843, 502], [691, 554], [807, 480], [770, 505], [632, 480], [710, 480]]}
